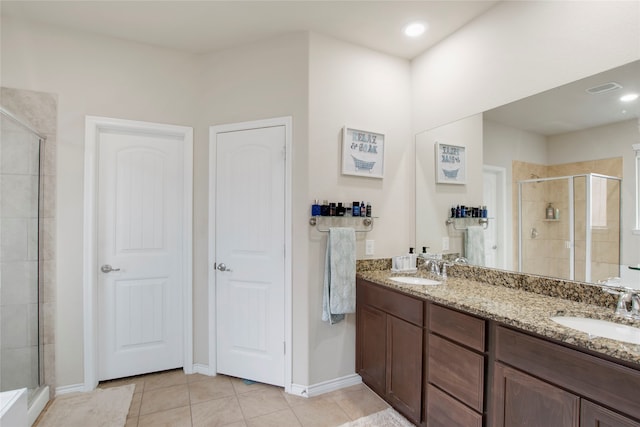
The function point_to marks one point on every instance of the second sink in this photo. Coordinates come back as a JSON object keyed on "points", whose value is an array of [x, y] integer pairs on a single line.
{"points": [[415, 281], [601, 328]]}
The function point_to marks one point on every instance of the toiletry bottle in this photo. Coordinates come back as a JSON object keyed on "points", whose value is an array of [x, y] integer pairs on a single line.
{"points": [[458, 211], [484, 211], [550, 211], [368, 209], [340, 210], [557, 214], [412, 259], [463, 211], [324, 208], [332, 209], [363, 209], [355, 210], [315, 208], [453, 212]]}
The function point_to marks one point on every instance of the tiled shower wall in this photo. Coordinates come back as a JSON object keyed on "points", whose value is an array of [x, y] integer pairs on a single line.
{"points": [[39, 110], [546, 253]]}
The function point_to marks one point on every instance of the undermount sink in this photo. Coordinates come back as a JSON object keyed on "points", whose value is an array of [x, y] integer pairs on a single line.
{"points": [[601, 328], [415, 281]]}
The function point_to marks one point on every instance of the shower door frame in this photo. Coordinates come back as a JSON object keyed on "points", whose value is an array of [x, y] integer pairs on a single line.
{"points": [[588, 232], [40, 396]]}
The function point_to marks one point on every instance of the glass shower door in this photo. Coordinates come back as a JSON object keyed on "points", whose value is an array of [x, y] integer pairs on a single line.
{"points": [[20, 350]]}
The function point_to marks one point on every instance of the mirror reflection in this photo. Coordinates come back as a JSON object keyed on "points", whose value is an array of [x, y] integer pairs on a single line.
{"points": [[557, 176]]}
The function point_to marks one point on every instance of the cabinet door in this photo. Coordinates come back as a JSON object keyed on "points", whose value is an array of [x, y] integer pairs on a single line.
{"points": [[404, 367], [521, 400], [592, 415], [371, 352]]}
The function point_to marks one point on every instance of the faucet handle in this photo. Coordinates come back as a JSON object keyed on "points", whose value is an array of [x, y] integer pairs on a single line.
{"points": [[443, 269]]}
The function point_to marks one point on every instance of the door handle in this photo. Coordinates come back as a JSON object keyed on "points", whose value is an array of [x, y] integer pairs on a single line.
{"points": [[108, 269], [222, 267]]}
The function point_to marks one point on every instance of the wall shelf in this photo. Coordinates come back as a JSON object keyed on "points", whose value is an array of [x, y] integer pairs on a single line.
{"points": [[484, 222], [359, 223]]}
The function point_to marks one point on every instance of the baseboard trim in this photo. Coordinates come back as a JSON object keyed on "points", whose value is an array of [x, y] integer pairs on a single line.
{"points": [[326, 386], [66, 389], [199, 368]]}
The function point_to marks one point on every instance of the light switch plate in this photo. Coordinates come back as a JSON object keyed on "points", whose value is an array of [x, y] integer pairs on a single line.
{"points": [[445, 243], [369, 247]]}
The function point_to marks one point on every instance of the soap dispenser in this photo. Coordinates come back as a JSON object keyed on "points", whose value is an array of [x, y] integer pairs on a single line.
{"points": [[412, 259]]}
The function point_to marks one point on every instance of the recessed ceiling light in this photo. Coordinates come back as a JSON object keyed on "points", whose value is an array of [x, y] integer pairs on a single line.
{"points": [[414, 29], [629, 97]]}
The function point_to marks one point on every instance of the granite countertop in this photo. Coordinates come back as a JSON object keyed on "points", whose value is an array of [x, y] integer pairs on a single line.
{"points": [[522, 309]]}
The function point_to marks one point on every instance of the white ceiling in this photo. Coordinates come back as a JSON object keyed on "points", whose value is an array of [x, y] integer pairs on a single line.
{"points": [[570, 108], [205, 26]]}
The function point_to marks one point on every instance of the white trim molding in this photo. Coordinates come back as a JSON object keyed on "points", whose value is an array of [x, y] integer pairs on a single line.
{"points": [[636, 148], [94, 126], [326, 386], [287, 122]]}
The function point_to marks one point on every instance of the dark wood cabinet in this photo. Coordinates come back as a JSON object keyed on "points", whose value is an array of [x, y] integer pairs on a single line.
{"points": [[372, 352], [389, 348], [404, 367], [524, 401], [553, 385], [441, 367], [592, 415]]}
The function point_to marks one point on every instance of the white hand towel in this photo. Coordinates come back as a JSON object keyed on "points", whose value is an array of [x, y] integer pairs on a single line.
{"points": [[339, 292], [474, 245]]}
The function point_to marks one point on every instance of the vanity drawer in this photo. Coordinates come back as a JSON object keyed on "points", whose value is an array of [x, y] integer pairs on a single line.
{"points": [[399, 305], [462, 328], [445, 411], [457, 370]]}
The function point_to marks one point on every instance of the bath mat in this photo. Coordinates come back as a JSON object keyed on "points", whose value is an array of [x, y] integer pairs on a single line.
{"points": [[99, 408], [387, 418]]}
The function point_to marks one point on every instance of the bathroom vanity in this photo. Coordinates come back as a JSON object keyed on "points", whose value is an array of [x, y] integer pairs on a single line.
{"points": [[468, 353]]}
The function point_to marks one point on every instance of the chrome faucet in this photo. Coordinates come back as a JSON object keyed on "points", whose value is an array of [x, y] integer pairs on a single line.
{"points": [[625, 295], [443, 269], [433, 266]]}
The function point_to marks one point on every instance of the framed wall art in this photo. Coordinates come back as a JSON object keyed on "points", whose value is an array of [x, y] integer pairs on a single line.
{"points": [[362, 153], [451, 164]]}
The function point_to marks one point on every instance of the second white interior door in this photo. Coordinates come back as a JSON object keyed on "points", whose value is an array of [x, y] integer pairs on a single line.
{"points": [[249, 247]]}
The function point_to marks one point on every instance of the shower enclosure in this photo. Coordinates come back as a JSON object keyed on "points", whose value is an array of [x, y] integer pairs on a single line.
{"points": [[21, 350], [569, 227]]}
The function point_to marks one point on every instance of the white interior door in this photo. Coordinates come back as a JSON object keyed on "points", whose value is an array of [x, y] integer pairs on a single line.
{"points": [[139, 254], [494, 199], [249, 253]]}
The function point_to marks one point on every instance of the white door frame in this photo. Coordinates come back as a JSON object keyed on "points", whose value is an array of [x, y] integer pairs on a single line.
{"points": [[503, 200], [93, 127], [213, 131]]}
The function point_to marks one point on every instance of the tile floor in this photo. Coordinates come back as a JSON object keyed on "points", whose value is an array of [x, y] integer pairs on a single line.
{"points": [[174, 399]]}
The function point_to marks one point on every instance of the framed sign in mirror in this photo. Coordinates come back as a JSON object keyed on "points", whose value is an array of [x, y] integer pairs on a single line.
{"points": [[362, 153], [451, 164]]}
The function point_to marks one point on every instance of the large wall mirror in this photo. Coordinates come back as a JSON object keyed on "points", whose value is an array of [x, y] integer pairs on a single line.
{"points": [[557, 173]]}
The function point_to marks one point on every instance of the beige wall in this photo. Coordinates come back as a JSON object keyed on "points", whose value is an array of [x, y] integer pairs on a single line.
{"points": [[359, 88], [517, 49], [251, 82], [99, 76]]}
